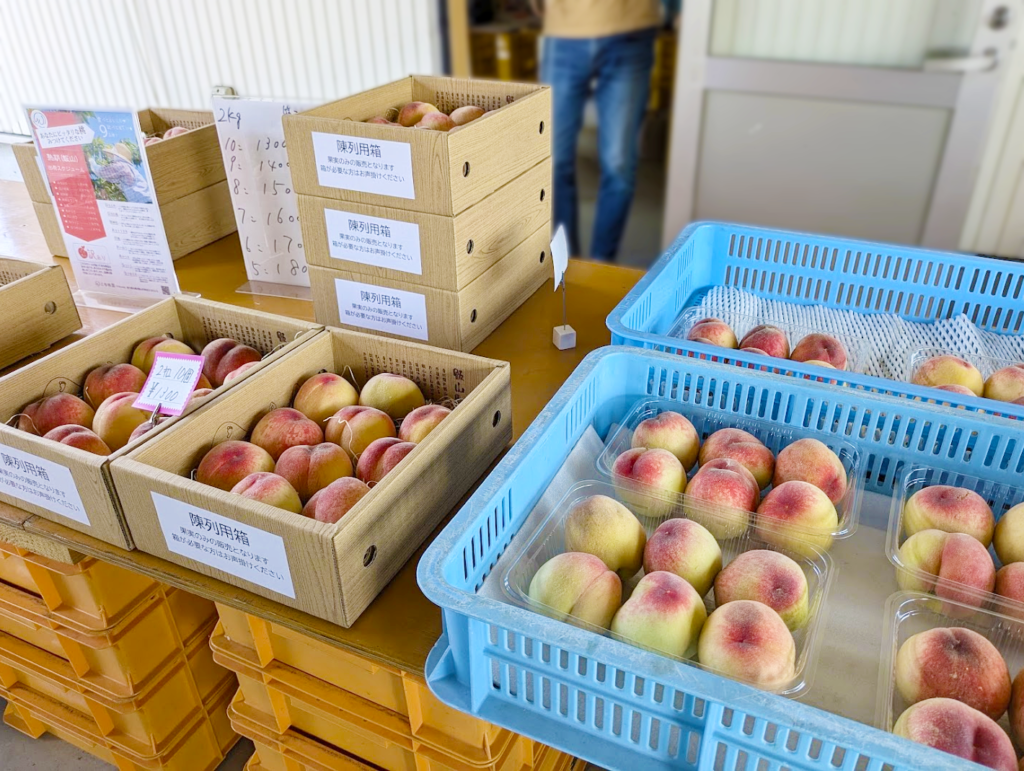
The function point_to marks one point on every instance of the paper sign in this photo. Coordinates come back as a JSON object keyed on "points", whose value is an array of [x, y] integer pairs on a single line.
{"points": [[382, 309], [374, 241], [364, 165], [242, 550], [260, 182], [42, 482], [101, 186], [559, 254], [170, 383]]}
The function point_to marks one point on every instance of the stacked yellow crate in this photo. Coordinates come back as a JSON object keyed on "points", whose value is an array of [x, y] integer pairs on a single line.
{"points": [[111, 661], [427, 235], [310, 705]]}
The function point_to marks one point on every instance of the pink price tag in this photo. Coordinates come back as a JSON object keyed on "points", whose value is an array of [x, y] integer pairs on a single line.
{"points": [[170, 383]]}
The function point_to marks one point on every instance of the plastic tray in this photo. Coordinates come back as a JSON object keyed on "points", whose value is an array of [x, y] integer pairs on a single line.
{"points": [[91, 595], [118, 662], [915, 284], [909, 613], [549, 541], [1002, 491], [707, 420], [199, 746], [611, 703], [430, 719], [986, 365]]}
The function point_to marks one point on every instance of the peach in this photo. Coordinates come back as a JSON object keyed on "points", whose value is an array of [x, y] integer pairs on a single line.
{"points": [[202, 384], [151, 141], [146, 351], [463, 115], [116, 419], [380, 457], [953, 663], [175, 131], [436, 121], [809, 460], [721, 496], [1010, 583], [283, 428], [768, 577], [393, 394], [381, 120], [200, 393], [687, 549], [413, 112], [1009, 535], [795, 514], [42, 416], [310, 468], [228, 463], [669, 431], [742, 447], [213, 352], [336, 500], [78, 436], [421, 421], [238, 372], [110, 379], [950, 509], [712, 332], [950, 557], [223, 356], [142, 429], [354, 428], [949, 370], [748, 641], [1017, 709], [602, 526], [821, 348], [1006, 384], [953, 727], [663, 614], [324, 394], [953, 388], [579, 586], [271, 489], [649, 480], [767, 339]]}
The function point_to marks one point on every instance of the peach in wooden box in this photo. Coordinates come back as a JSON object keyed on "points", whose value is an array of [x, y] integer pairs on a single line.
{"points": [[71, 486], [37, 307], [330, 570], [335, 154]]}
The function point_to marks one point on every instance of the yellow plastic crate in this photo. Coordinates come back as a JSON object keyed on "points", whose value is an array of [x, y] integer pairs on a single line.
{"points": [[430, 719], [91, 595], [145, 722], [118, 662], [199, 746]]}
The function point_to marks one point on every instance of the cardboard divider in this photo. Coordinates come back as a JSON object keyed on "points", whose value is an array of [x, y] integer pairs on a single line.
{"points": [[38, 308]]}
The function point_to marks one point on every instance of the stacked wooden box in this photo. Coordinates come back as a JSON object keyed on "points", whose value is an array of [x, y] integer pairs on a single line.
{"points": [[431, 236], [41, 308], [188, 177]]}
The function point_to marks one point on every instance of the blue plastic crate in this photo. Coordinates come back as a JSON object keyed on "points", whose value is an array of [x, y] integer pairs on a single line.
{"points": [[916, 284], [610, 702]]}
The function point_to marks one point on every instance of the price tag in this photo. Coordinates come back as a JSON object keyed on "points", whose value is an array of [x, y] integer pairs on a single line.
{"points": [[382, 309], [382, 243], [364, 165], [559, 254], [30, 478], [170, 383]]}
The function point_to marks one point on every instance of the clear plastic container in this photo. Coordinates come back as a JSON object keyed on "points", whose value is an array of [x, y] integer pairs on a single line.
{"points": [[771, 433], [549, 541], [910, 613], [1000, 497], [986, 365], [858, 351]]}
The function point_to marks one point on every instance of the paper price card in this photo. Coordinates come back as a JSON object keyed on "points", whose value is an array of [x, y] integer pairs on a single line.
{"points": [[42, 482], [241, 550], [170, 383], [260, 181]]}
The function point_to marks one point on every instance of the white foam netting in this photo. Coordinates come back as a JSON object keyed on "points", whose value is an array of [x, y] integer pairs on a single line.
{"points": [[891, 342]]}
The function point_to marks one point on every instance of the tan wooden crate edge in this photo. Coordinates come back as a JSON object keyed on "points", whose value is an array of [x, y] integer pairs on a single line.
{"points": [[46, 216], [38, 308], [12, 524], [25, 155]]}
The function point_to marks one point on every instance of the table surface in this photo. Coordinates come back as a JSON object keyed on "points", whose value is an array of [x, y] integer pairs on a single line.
{"points": [[524, 340]]}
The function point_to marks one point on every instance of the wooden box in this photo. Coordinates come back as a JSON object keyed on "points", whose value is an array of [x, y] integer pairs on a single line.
{"points": [[87, 502], [452, 251], [334, 154], [37, 308], [188, 177], [332, 571], [455, 320]]}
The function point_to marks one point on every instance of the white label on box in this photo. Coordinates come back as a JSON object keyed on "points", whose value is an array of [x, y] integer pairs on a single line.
{"points": [[382, 309], [42, 482], [364, 165], [374, 241], [236, 548]]}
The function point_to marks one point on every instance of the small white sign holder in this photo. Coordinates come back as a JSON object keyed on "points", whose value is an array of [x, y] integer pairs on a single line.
{"points": [[564, 336]]}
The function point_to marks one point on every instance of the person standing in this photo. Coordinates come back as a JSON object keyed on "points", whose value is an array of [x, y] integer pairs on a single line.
{"points": [[604, 47]]}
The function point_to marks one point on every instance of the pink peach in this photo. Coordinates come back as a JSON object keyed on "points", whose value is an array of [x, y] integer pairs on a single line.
{"points": [[1017, 709], [63, 409], [949, 370], [436, 121], [239, 371], [795, 514], [228, 463], [146, 351], [175, 131], [463, 115], [413, 112], [721, 496], [221, 359], [649, 480], [669, 431], [769, 577], [962, 565], [380, 457], [110, 379], [953, 388], [579, 586], [116, 419], [1006, 384], [355, 428], [767, 339], [950, 509], [713, 332], [324, 394], [421, 421], [335, 501], [78, 436], [602, 526], [819, 347], [810, 460], [664, 613], [1010, 583], [271, 489], [393, 394], [144, 428], [687, 549], [310, 468], [962, 731], [741, 446], [748, 641], [283, 428]]}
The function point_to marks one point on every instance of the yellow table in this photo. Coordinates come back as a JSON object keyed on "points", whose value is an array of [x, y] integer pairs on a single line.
{"points": [[538, 369]]}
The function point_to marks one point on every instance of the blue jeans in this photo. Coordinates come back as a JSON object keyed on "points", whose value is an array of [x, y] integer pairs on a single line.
{"points": [[619, 68]]}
